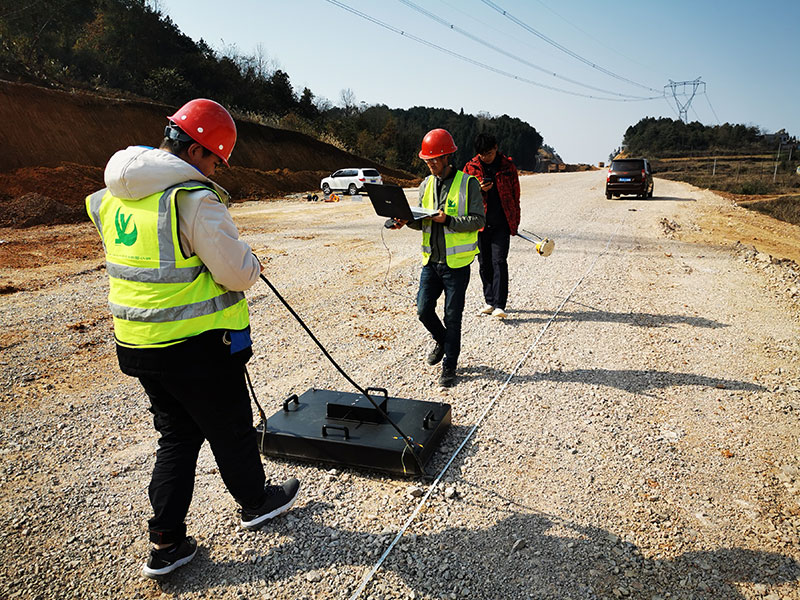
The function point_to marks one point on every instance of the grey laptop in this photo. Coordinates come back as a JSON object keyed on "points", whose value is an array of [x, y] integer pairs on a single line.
{"points": [[390, 201]]}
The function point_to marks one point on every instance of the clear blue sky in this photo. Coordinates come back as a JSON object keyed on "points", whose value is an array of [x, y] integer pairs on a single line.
{"points": [[746, 52]]}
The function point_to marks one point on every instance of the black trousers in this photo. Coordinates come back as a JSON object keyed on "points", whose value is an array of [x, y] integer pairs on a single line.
{"points": [[494, 243], [187, 409], [435, 279]]}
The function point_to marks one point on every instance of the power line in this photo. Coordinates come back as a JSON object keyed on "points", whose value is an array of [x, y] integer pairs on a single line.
{"points": [[485, 25], [712, 108], [703, 93], [589, 35], [473, 61], [564, 49], [475, 38], [672, 108]]}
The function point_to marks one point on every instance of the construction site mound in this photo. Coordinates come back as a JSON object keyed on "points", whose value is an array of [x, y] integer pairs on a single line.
{"points": [[62, 140]]}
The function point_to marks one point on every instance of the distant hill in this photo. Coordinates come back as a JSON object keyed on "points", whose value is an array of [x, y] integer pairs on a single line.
{"points": [[738, 159], [670, 138]]}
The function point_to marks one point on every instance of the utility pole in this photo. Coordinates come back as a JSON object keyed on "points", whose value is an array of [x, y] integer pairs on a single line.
{"points": [[683, 107]]}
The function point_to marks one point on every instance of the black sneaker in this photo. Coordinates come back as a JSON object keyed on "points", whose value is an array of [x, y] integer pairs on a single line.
{"points": [[448, 377], [166, 560], [436, 354], [279, 499]]}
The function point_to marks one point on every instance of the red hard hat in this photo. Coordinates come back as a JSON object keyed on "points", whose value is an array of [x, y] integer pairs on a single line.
{"points": [[209, 124], [437, 142]]}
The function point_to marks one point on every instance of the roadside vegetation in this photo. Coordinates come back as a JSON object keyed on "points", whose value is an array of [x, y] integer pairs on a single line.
{"points": [[128, 48], [785, 208], [753, 175], [757, 169]]}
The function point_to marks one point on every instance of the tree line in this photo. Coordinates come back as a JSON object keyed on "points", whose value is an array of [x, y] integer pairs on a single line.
{"points": [[670, 138], [130, 47]]}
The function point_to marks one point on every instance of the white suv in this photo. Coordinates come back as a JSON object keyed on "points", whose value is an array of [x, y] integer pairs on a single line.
{"points": [[352, 180]]}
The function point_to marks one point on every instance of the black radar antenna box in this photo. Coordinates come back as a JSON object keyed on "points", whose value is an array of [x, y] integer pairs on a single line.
{"points": [[344, 428]]}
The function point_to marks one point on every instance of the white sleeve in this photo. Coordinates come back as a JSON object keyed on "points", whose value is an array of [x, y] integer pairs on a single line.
{"points": [[207, 230]]}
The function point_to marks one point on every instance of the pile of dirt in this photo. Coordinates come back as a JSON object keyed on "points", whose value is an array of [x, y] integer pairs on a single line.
{"points": [[35, 209], [61, 142], [42, 195], [254, 184]]}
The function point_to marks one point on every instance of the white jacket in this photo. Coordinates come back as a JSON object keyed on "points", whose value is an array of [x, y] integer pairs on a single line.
{"points": [[205, 225]]}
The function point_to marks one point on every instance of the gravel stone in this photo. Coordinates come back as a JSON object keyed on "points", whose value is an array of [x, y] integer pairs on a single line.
{"points": [[647, 447]]}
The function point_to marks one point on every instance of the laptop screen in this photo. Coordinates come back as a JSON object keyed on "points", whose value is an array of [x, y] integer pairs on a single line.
{"points": [[391, 201]]}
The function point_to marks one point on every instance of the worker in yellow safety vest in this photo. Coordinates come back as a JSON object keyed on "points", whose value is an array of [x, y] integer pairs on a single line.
{"points": [[449, 245], [177, 274]]}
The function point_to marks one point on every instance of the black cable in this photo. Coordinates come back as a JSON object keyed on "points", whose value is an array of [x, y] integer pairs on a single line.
{"points": [[389, 266], [261, 412], [253, 394], [408, 441]]}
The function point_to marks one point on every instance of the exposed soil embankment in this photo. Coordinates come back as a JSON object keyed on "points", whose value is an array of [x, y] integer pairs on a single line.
{"points": [[57, 143]]}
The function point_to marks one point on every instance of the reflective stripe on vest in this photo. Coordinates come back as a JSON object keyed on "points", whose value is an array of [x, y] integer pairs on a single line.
{"points": [[460, 247], [157, 296]]}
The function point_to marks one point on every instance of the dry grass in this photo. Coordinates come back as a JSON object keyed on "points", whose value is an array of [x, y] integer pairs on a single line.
{"points": [[753, 176], [785, 208], [749, 175]]}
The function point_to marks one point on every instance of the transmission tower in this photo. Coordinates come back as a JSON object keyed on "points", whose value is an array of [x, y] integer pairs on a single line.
{"points": [[683, 107]]}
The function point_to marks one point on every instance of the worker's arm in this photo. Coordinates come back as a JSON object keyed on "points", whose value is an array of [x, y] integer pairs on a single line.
{"points": [[208, 231], [513, 220], [418, 224], [515, 183]]}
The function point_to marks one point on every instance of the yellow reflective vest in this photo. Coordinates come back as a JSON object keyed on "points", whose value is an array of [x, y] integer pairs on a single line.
{"points": [[158, 297], [460, 247]]}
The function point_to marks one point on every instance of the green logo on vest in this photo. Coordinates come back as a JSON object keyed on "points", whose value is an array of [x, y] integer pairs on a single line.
{"points": [[451, 203], [121, 223]]}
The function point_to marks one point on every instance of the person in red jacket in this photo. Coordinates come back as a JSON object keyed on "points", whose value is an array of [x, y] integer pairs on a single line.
{"points": [[500, 189]]}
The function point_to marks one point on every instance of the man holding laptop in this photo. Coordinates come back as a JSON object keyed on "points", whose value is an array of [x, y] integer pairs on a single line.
{"points": [[449, 245]]}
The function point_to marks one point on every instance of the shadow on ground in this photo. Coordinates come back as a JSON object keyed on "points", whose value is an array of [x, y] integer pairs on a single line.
{"points": [[524, 555], [635, 381], [604, 316], [655, 198]]}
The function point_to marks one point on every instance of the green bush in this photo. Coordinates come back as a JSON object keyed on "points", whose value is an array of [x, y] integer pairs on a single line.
{"points": [[752, 188]]}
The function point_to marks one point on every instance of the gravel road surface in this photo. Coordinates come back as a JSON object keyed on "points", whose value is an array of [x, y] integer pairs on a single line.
{"points": [[642, 438]]}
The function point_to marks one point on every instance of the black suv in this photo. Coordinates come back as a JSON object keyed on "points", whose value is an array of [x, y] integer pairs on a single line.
{"points": [[629, 176]]}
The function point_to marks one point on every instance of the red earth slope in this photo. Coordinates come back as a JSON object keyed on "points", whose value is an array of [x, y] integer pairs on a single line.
{"points": [[55, 145]]}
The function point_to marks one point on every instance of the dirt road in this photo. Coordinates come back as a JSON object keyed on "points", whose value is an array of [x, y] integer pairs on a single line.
{"points": [[642, 439]]}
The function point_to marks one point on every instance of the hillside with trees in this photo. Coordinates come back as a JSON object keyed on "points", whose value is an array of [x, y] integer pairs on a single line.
{"points": [[129, 49], [741, 160], [670, 138]]}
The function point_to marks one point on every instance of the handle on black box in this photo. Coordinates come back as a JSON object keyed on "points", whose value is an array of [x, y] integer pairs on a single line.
{"points": [[426, 420], [342, 427], [377, 389], [292, 398]]}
